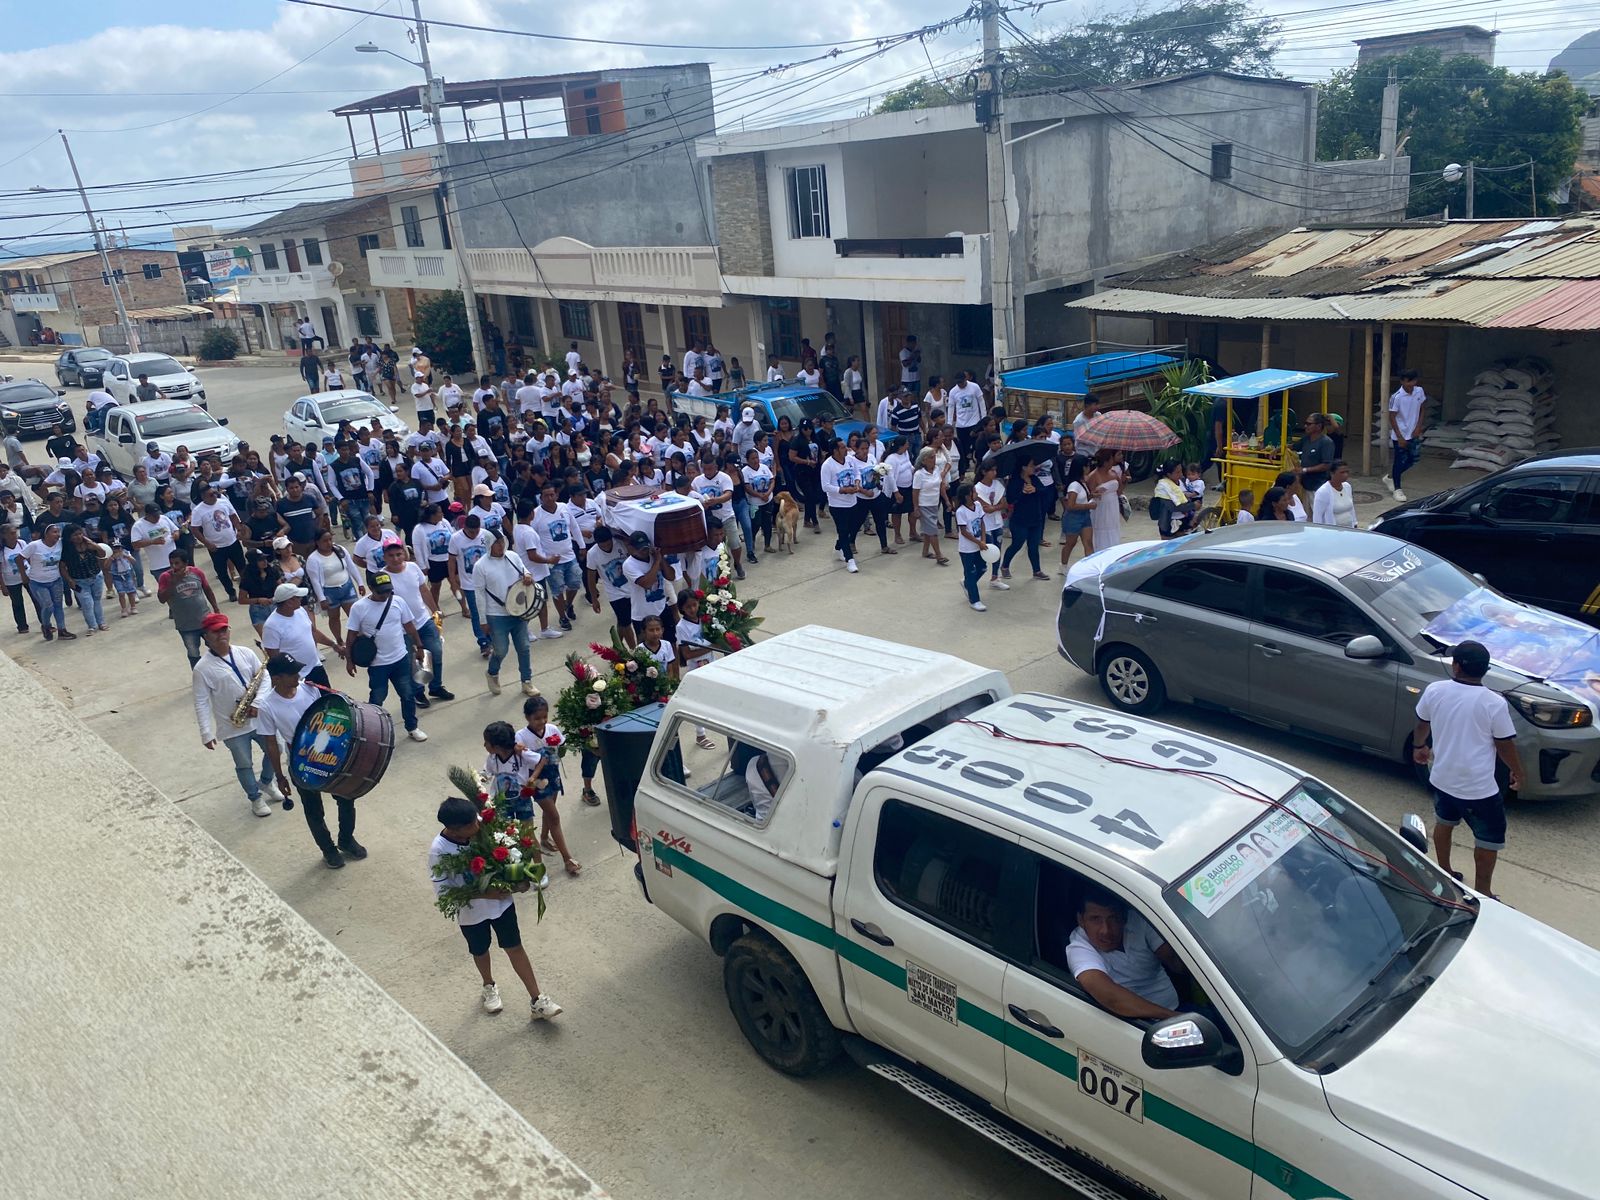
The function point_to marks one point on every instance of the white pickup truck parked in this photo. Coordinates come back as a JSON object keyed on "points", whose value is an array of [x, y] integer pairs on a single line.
{"points": [[890, 851]]}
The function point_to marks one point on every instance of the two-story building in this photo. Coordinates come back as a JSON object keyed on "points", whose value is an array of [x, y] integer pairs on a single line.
{"points": [[69, 292], [319, 260]]}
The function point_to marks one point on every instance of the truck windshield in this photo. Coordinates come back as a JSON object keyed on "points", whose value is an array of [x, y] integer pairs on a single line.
{"points": [[1304, 927], [193, 419], [808, 408]]}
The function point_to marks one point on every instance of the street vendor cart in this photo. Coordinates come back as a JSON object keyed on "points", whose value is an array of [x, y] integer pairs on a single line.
{"points": [[1252, 459]]}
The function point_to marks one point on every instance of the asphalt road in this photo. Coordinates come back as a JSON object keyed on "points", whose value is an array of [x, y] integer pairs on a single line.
{"points": [[645, 1081]]}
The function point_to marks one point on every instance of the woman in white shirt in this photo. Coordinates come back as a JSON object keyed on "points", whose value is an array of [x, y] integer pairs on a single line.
{"points": [[989, 495], [1077, 511], [948, 458], [809, 375], [1289, 481], [936, 399], [855, 383], [863, 458], [331, 576], [927, 486], [1335, 502], [898, 461]]}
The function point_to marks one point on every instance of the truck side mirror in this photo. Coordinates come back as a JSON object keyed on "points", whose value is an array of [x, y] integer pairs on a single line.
{"points": [[1189, 1040], [1415, 833]]}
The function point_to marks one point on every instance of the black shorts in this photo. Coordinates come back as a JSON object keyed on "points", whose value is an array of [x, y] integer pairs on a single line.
{"points": [[622, 610], [438, 572], [1486, 818], [506, 932]]}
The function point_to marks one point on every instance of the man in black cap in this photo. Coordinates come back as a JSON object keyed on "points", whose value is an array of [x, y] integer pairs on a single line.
{"points": [[278, 713], [1471, 727]]}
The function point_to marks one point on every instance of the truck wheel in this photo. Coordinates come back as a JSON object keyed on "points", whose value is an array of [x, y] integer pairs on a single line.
{"points": [[776, 1009], [1131, 681]]}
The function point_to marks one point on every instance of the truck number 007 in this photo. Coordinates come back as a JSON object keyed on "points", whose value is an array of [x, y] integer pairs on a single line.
{"points": [[1111, 1086], [1058, 797]]}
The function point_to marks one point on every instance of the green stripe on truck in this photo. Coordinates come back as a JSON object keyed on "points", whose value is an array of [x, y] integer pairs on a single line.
{"points": [[1191, 1126]]}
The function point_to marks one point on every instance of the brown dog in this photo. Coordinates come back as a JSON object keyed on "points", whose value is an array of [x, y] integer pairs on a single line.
{"points": [[788, 521]]}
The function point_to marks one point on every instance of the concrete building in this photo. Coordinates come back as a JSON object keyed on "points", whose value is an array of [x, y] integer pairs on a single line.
{"points": [[1451, 41], [316, 260], [68, 292]]}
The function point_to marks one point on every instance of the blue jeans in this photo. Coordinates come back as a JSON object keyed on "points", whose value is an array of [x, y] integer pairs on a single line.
{"points": [[515, 630], [741, 514], [356, 513], [191, 645], [478, 630], [994, 537], [398, 673], [1405, 457], [49, 598], [89, 592], [239, 746], [428, 635], [971, 571]]}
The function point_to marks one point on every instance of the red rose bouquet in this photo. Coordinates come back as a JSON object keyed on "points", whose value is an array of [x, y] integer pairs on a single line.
{"points": [[503, 855], [726, 622], [623, 680]]}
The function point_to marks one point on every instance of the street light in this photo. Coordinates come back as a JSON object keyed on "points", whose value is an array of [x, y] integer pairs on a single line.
{"points": [[432, 100], [1454, 173]]}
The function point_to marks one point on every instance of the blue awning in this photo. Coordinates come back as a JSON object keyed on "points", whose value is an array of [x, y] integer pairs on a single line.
{"points": [[1078, 376], [1259, 383]]}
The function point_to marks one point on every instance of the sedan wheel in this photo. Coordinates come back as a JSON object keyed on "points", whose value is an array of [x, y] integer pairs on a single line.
{"points": [[1131, 681]]}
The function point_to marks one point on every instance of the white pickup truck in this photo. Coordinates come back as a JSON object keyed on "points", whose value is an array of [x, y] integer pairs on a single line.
{"points": [[890, 851]]}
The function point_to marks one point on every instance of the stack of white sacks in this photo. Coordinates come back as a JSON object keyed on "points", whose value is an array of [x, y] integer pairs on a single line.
{"points": [[1511, 415]]}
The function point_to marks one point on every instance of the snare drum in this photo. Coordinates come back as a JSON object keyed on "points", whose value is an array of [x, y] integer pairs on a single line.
{"points": [[524, 600]]}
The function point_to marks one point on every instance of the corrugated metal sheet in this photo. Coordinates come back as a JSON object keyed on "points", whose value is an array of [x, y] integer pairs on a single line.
{"points": [[1474, 301], [1574, 305]]}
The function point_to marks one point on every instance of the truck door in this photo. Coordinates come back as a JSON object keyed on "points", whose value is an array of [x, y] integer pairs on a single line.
{"points": [[916, 921], [1075, 1072]]}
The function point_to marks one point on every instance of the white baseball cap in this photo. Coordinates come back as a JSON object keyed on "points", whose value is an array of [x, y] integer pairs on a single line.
{"points": [[288, 591]]}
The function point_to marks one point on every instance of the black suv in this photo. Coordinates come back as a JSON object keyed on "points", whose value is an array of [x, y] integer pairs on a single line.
{"points": [[1532, 530], [30, 407]]}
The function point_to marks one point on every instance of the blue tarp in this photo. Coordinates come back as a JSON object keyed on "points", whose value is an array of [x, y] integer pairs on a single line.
{"points": [[1076, 376], [1259, 383]]}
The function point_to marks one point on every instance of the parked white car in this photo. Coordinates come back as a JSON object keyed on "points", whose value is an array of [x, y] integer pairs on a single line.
{"points": [[312, 418], [120, 376], [169, 424]]}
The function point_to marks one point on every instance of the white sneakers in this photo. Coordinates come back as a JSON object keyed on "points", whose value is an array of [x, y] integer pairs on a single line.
{"points": [[1000, 585], [491, 998], [552, 633], [1399, 495], [272, 791], [529, 688], [260, 807], [838, 553], [850, 565], [979, 606], [544, 1008], [416, 735], [494, 683]]}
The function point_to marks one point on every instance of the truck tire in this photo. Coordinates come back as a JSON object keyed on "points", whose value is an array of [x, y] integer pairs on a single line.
{"points": [[776, 1008]]}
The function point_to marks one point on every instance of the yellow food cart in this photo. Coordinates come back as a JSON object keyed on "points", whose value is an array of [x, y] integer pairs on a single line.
{"points": [[1249, 461]]}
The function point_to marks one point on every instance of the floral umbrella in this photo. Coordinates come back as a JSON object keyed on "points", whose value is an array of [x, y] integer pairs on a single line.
{"points": [[1125, 429]]}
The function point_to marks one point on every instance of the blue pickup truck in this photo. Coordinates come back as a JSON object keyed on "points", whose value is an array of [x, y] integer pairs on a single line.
{"points": [[797, 401]]}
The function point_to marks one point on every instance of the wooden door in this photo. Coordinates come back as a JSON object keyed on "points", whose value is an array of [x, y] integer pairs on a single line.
{"points": [[630, 321], [895, 322]]}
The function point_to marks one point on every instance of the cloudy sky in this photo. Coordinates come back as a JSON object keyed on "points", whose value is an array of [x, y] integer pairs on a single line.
{"points": [[164, 115]]}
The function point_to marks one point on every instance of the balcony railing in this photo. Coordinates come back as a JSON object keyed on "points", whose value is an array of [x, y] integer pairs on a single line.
{"points": [[936, 247], [412, 268]]}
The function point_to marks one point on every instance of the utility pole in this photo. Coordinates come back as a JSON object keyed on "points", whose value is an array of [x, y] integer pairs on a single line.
{"points": [[433, 95], [1471, 188], [128, 333], [990, 113]]}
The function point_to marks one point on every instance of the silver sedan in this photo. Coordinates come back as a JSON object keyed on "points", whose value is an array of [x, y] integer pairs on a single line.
{"points": [[1305, 628]]}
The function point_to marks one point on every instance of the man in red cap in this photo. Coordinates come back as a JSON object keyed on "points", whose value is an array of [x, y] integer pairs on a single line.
{"points": [[220, 678]]}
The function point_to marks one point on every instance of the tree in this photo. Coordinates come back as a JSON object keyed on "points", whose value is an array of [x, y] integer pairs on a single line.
{"points": [[1459, 110], [1198, 35], [442, 332]]}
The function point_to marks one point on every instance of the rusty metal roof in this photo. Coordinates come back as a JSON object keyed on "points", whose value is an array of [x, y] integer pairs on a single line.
{"points": [[1500, 274]]}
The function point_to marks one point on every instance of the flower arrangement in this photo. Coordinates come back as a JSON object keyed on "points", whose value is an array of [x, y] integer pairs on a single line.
{"points": [[726, 621], [623, 680], [503, 855]]}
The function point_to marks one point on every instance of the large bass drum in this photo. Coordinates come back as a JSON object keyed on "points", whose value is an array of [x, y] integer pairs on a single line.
{"points": [[341, 746], [524, 600]]}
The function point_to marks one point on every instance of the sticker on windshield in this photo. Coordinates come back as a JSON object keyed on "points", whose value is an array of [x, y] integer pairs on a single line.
{"points": [[1226, 875], [1392, 569], [931, 993]]}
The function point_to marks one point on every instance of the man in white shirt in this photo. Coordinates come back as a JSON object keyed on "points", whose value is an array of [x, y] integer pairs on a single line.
{"points": [[774, 371], [216, 524], [1471, 728], [557, 526], [911, 364], [1123, 963], [219, 682], [409, 584], [307, 333], [467, 545], [390, 623], [697, 385], [574, 359], [278, 712], [966, 405], [571, 390], [1406, 426], [530, 397], [691, 360], [289, 630], [497, 573]]}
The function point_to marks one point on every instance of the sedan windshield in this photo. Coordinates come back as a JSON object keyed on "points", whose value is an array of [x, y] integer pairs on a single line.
{"points": [[1411, 587], [1304, 927], [157, 367], [356, 408], [180, 420], [89, 356], [807, 408]]}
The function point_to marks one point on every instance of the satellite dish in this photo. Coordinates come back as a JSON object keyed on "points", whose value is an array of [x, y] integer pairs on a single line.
{"points": [[336, 269]]}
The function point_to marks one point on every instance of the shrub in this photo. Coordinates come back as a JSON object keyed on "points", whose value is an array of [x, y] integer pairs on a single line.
{"points": [[219, 343]]}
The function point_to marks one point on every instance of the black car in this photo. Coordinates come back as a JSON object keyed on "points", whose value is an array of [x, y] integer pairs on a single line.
{"points": [[82, 366], [30, 407], [1532, 530]]}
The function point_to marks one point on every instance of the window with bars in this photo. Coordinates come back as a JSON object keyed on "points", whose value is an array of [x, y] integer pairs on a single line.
{"points": [[313, 251], [1222, 160], [696, 327], [411, 219], [575, 321], [365, 242], [269, 257], [808, 202]]}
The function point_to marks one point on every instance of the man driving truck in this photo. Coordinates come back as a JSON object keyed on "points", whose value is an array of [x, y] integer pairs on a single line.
{"points": [[1124, 964]]}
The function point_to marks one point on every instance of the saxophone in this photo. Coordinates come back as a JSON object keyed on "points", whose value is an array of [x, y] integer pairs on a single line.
{"points": [[241, 710]]}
